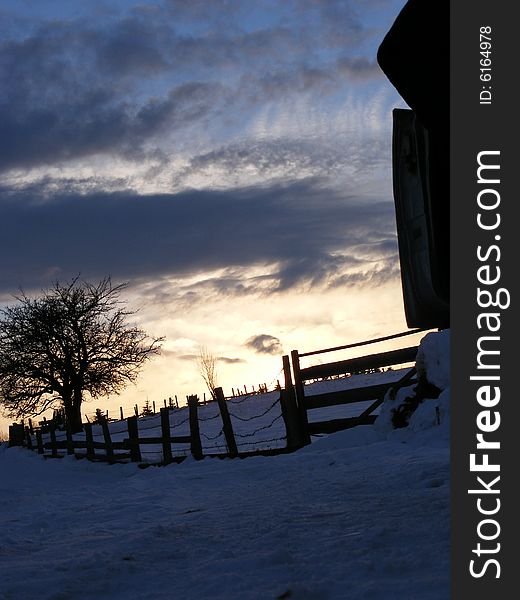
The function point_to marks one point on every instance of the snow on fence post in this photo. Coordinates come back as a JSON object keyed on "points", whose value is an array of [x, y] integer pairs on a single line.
{"points": [[133, 439], [89, 438], [196, 444], [226, 423], [300, 398], [165, 434], [109, 449], [291, 417]]}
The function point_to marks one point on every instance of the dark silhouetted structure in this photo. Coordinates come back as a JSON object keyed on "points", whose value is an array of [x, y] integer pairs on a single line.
{"points": [[414, 55]]}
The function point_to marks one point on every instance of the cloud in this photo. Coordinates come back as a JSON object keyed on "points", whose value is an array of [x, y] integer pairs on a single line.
{"points": [[230, 361], [300, 227], [306, 228], [264, 344], [124, 85], [223, 359], [358, 69]]}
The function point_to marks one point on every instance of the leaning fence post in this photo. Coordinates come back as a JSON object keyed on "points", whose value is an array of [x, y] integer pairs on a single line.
{"points": [[165, 434], [300, 397], [133, 438], [290, 413], [196, 445], [109, 449], [226, 423]]}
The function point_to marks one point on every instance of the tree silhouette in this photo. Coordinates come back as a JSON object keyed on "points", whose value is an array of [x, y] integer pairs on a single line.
{"points": [[147, 409], [207, 364], [73, 339]]}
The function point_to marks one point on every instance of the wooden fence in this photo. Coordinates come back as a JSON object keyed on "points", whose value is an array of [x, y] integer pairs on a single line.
{"points": [[294, 406], [117, 451], [302, 429], [130, 448]]}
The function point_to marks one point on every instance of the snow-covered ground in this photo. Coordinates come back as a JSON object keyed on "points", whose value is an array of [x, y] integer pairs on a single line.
{"points": [[362, 513]]}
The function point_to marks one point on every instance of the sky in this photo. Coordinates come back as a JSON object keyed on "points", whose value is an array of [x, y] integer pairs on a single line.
{"points": [[230, 160]]}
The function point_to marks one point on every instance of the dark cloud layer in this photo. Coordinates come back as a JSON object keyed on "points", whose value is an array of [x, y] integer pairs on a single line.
{"points": [[71, 89], [264, 344], [310, 231]]}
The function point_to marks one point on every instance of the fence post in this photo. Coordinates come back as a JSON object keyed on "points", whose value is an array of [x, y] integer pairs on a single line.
{"points": [[54, 449], [28, 439], [89, 438], [226, 423], [39, 441], [291, 417], [121, 413], [107, 439], [165, 434], [133, 437], [300, 397], [16, 435], [70, 442], [196, 445]]}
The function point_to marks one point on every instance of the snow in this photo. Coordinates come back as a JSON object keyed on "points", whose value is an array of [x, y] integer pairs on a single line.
{"points": [[360, 514], [433, 358]]}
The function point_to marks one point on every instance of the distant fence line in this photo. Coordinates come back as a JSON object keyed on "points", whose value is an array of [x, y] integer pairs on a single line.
{"points": [[174, 402]]}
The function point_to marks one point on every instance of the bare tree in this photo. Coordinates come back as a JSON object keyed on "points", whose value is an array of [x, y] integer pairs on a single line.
{"points": [[207, 364], [73, 339]]}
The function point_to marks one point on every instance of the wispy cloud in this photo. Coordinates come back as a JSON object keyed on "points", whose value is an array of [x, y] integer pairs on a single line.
{"points": [[78, 88]]}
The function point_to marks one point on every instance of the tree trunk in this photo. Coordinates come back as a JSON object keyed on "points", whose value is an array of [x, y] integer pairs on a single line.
{"points": [[72, 405]]}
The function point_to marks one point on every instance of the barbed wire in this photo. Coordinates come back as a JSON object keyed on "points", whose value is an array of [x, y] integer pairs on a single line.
{"points": [[252, 433], [262, 441], [256, 416], [242, 399], [210, 418], [211, 438], [218, 446], [180, 423], [158, 426]]}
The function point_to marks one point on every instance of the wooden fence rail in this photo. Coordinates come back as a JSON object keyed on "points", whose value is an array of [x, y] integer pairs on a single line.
{"points": [[350, 366]]}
